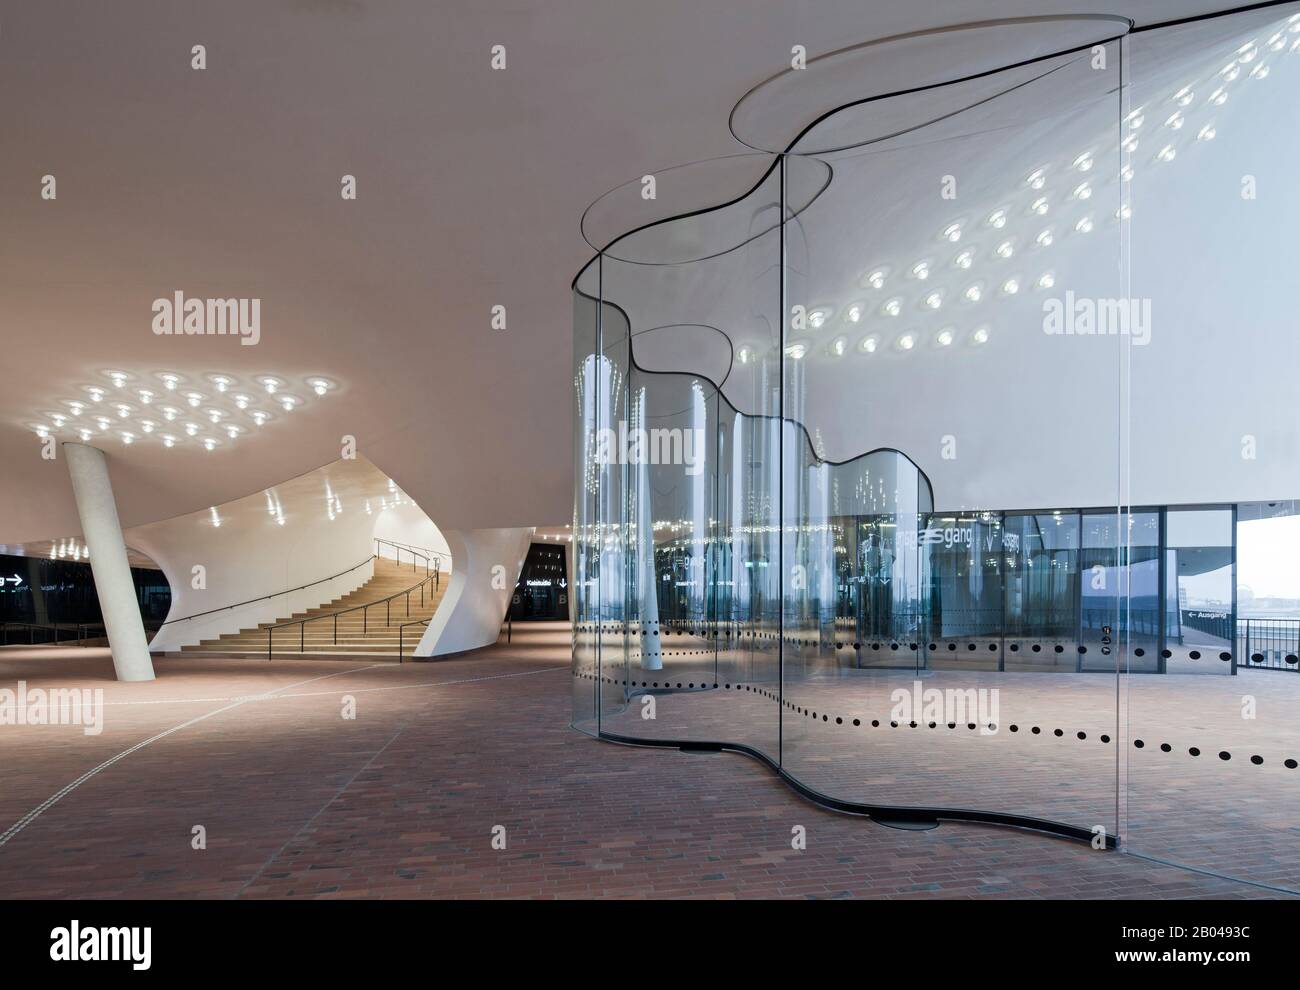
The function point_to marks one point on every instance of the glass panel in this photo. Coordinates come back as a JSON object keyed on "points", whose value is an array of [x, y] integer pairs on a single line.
{"points": [[1199, 591], [915, 292], [1211, 768]]}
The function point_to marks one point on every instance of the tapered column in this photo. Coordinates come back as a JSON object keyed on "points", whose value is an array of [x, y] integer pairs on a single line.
{"points": [[103, 533], [485, 564]]}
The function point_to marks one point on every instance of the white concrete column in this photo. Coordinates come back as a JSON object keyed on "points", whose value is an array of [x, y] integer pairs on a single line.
{"points": [[485, 564], [103, 533]]}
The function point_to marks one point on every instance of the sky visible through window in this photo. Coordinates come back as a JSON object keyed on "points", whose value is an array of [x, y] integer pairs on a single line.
{"points": [[1268, 561]]}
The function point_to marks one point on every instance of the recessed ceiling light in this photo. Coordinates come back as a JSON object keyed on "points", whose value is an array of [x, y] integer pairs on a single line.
{"points": [[194, 398], [118, 378], [191, 429], [906, 342], [964, 259], [96, 393], [211, 443], [997, 219], [1005, 250], [854, 313], [1037, 178], [952, 232], [1039, 206], [973, 293], [169, 379], [1084, 225], [944, 337], [980, 336], [875, 279], [270, 383], [796, 351], [320, 385], [222, 382], [1167, 153], [288, 402], [893, 307], [1084, 162]]}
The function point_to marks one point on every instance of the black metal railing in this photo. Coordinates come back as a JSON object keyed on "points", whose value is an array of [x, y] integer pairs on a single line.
{"points": [[432, 558], [363, 608], [277, 594], [401, 635], [1269, 644], [77, 628]]}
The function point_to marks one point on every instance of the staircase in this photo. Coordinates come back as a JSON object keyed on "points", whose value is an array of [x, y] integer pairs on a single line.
{"points": [[357, 636]]}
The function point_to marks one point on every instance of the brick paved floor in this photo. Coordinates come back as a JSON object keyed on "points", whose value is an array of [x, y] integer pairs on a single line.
{"points": [[298, 801]]}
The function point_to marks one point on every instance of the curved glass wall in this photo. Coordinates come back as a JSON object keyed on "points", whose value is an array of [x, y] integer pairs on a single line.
{"points": [[855, 482]]}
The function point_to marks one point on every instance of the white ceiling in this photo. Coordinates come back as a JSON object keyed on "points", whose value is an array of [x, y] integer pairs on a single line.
{"points": [[471, 184]]}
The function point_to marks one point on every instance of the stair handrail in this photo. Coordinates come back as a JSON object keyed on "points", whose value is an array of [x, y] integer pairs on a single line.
{"points": [[365, 614], [401, 634], [426, 552], [277, 594]]}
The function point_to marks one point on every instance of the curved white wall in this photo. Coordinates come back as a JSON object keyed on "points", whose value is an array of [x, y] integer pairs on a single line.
{"points": [[319, 526], [248, 560]]}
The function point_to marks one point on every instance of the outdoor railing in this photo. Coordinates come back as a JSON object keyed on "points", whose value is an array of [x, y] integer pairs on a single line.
{"points": [[56, 627], [1269, 644]]}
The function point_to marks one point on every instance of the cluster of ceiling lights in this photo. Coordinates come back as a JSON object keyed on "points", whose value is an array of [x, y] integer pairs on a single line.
{"points": [[1163, 125], [172, 409]]}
